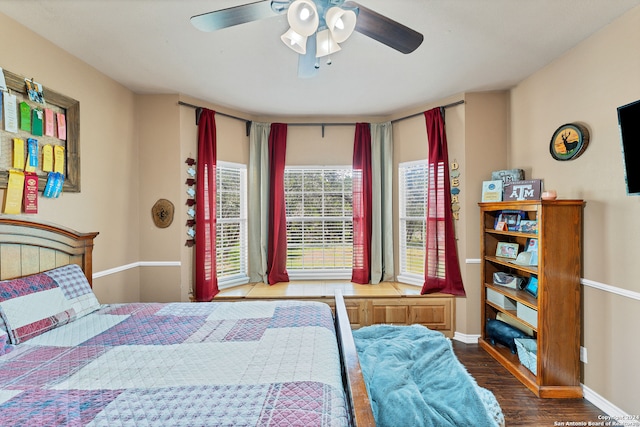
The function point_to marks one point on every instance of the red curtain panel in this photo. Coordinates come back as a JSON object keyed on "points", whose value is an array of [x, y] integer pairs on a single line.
{"points": [[206, 281], [361, 269], [442, 270], [277, 250]]}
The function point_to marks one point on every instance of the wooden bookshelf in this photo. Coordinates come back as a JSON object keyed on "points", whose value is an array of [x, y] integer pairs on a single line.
{"points": [[558, 323]]}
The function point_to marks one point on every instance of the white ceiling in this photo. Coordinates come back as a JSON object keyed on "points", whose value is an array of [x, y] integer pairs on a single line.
{"points": [[150, 46]]}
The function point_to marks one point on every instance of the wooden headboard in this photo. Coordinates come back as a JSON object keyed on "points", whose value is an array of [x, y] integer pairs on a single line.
{"points": [[29, 247]]}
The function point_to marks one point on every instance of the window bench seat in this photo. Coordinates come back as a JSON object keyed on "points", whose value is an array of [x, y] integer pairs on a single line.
{"points": [[387, 302]]}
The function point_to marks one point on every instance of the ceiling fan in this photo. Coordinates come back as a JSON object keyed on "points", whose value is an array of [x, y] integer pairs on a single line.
{"points": [[332, 21]]}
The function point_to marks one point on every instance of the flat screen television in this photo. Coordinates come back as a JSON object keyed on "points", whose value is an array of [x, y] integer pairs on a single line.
{"points": [[629, 122]]}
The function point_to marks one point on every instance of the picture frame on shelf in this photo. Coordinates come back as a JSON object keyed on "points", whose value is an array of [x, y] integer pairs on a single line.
{"points": [[532, 286], [532, 247], [528, 226], [492, 191], [501, 226], [507, 250], [511, 218]]}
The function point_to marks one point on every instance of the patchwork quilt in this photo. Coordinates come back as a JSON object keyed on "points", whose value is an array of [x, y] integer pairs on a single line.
{"points": [[180, 364]]}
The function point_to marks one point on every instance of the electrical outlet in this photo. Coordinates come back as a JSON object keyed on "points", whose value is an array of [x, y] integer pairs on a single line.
{"points": [[583, 354]]}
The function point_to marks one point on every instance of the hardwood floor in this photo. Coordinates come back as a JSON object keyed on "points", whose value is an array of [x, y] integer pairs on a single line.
{"points": [[520, 406]]}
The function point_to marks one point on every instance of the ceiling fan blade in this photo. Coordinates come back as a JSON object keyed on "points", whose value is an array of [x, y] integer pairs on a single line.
{"points": [[385, 30], [229, 17]]}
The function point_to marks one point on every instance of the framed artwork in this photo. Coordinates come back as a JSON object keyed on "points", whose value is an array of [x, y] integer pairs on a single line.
{"points": [[64, 109]]}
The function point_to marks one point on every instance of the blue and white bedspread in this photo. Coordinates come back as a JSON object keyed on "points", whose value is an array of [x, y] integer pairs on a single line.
{"points": [[180, 364]]}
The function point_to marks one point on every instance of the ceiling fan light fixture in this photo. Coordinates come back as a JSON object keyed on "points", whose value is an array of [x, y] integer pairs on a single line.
{"points": [[303, 17], [340, 22], [332, 22], [325, 44], [295, 41]]}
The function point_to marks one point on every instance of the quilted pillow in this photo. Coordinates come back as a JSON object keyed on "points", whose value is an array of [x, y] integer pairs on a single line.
{"points": [[32, 305], [76, 288]]}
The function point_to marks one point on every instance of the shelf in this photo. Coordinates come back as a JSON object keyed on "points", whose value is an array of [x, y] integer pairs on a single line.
{"points": [[505, 262], [511, 233], [506, 354], [515, 294], [511, 362], [513, 314]]}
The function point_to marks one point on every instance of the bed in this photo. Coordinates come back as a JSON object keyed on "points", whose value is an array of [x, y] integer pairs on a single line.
{"points": [[68, 360]]}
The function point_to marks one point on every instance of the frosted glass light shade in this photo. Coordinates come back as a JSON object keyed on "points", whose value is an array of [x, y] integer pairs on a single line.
{"points": [[326, 45], [295, 41], [303, 17], [340, 22]]}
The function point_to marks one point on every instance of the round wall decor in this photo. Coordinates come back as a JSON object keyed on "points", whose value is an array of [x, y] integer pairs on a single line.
{"points": [[162, 213], [569, 141]]}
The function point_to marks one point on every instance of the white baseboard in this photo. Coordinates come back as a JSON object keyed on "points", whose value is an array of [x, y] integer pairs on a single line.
{"points": [[466, 338], [609, 408]]}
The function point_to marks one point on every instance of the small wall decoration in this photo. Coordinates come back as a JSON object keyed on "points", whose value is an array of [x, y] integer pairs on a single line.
{"points": [[162, 213], [569, 141], [455, 190], [191, 201]]}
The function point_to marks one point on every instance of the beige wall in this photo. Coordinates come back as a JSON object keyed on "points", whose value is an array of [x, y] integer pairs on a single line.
{"points": [[486, 121], [587, 85], [110, 183], [307, 147], [159, 174]]}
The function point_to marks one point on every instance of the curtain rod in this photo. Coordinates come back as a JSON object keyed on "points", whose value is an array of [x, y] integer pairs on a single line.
{"points": [[248, 122], [442, 107]]}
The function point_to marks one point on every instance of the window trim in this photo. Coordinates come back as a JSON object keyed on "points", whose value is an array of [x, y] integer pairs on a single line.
{"points": [[320, 274], [404, 276], [242, 277]]}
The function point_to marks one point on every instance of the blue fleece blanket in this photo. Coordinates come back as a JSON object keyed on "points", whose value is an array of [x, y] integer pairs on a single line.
{"points": [[414, 379]]}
